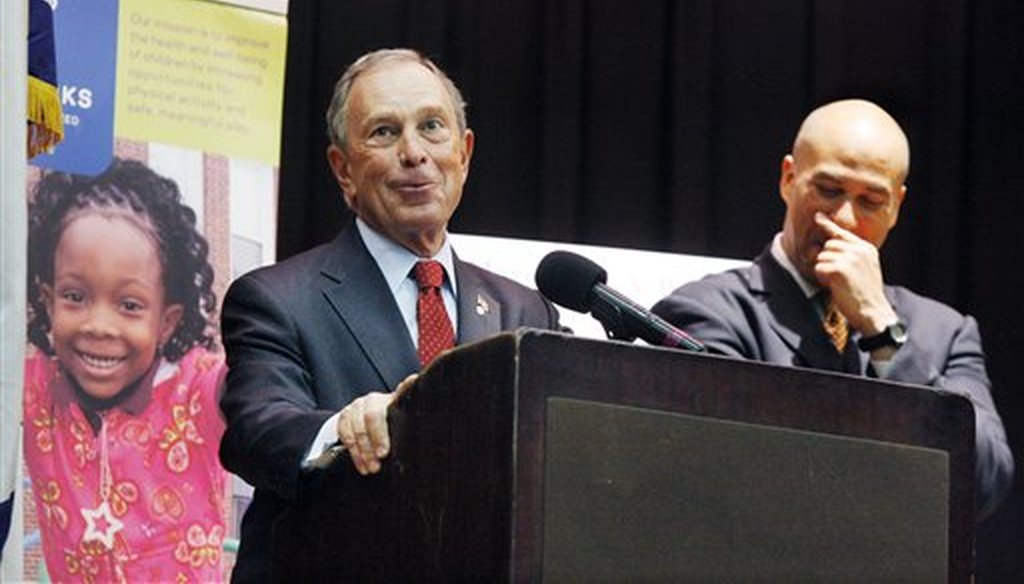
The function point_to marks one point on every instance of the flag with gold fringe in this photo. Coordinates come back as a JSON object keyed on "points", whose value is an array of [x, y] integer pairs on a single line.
{"points": [[45, 119]]}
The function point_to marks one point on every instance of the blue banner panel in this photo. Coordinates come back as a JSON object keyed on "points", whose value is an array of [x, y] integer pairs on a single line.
{"points": [[86, 39]]}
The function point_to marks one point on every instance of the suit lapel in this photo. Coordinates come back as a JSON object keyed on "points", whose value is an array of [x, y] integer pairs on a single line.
{"points": [[793, 317], [479, 311], [359, 296]]}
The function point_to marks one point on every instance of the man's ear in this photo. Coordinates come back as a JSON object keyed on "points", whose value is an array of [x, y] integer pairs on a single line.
{"points": [[787, 174], [899, 203], [338, 162], [468, 140]]}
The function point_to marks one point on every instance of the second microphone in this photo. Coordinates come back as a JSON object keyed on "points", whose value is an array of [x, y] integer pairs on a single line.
{"points": [[575, 282]]}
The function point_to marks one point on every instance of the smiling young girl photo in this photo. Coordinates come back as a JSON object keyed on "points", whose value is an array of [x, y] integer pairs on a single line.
{"points": [[120, 411]]}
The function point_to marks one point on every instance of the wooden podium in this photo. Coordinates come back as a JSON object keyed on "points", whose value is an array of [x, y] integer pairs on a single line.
{"points": [[536, 456]]}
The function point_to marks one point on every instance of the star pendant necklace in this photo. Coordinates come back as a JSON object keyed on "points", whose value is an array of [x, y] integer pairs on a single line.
{"points": [[100, 524]]}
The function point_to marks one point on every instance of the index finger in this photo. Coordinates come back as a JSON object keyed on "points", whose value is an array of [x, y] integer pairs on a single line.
{"points": [[404, 386], [376, 420], [832, 229]]}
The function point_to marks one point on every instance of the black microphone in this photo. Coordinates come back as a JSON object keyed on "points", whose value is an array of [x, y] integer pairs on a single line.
{"points": [[573, 281]]}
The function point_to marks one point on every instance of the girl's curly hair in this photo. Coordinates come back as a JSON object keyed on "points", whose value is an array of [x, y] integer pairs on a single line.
{"points": [[132, 187]]}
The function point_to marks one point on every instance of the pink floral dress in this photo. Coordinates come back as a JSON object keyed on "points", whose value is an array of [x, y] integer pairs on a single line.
{"points": [[142, 499]]}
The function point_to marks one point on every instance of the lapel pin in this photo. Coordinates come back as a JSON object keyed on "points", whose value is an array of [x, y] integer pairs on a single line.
{"points": [[482, 307]]}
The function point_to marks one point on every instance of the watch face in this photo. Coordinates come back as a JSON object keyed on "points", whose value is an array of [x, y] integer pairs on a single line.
{"points": [[898, 333], [894, 335]]}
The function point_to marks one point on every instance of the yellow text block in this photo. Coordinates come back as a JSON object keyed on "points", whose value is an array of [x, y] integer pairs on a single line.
{"points": [[201, 75]]}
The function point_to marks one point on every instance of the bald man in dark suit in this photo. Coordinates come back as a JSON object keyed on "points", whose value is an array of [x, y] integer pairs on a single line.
{"points": [[816, 296]]}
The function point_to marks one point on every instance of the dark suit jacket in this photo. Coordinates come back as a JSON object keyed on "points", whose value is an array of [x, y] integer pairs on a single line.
{"points": [[307, 336], [760, 313]]}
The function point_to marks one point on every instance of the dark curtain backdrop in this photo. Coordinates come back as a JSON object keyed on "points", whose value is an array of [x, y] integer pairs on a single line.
{"points": [[661, 125]]}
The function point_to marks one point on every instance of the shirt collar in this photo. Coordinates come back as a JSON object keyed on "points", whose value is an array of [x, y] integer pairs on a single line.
{"points": [[809, 289], [395, 261]]}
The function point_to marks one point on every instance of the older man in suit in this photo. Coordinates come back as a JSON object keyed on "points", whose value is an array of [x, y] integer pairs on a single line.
{"points": [[321, 344], [816, 296]]}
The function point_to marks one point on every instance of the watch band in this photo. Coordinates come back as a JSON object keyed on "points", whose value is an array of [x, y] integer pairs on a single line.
{"points": [[894, 335]]}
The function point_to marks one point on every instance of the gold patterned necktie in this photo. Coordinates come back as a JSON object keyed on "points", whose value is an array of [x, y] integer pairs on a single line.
{"points": [[835, 326]]}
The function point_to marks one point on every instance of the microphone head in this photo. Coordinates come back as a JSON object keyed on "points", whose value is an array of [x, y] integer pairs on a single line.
{"points": [[568, 279]]}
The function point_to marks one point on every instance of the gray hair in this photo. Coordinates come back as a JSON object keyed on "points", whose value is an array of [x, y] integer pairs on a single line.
{"points": [[338, 110]]}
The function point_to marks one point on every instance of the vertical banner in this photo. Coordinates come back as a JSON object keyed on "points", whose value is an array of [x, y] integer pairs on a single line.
{"points": [[13, 134], [164, 188]]}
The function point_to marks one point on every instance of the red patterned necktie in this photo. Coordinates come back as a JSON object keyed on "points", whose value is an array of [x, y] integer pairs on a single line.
{"points": [[436, 332]]}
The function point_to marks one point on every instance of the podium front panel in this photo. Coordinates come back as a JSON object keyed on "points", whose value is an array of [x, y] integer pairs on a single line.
{"points": [[633, 494]]}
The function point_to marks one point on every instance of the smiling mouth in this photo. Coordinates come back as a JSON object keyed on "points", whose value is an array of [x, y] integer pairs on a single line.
{"points": [[100, 362], [414, 187]]}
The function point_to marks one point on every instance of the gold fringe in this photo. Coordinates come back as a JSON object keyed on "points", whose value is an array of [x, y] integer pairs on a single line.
{"points": [[45, 118]]}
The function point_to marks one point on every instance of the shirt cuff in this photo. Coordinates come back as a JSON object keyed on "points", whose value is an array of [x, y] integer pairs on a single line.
{"points": [[326, 446], [881, 367]]}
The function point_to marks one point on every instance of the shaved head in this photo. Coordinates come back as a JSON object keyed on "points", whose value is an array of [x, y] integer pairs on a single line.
{"points": [[857, 131]]}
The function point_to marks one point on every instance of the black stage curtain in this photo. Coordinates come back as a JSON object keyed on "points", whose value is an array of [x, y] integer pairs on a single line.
{"points": [[661, 125]]}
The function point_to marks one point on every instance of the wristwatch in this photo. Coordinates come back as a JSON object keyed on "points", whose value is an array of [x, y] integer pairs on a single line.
{"points": [[894, 335]]}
